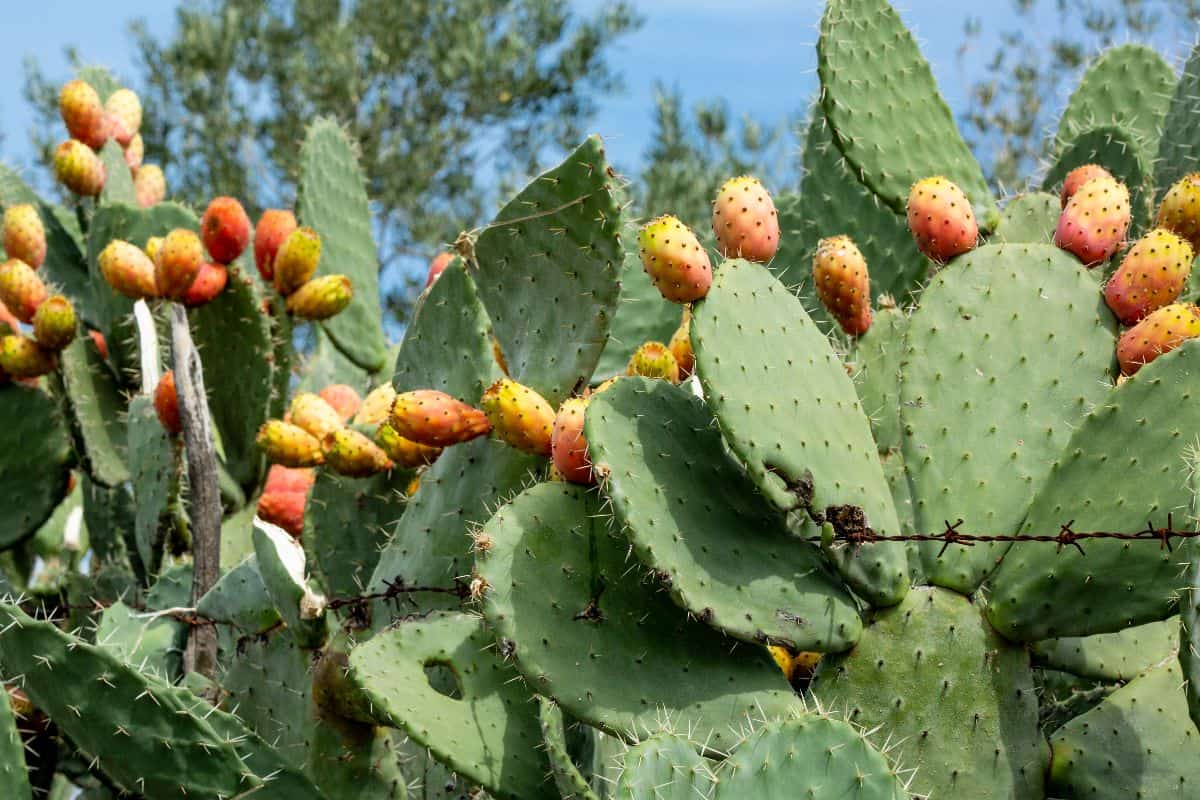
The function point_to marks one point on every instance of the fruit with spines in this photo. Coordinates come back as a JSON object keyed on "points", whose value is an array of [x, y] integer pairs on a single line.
{"points": [[745, 221], [54, 323], [24, 235], [1160, 332], [674, 259], [437, 266], [124, 111], [21, 290], [289, 445], [210, 281], [843, 283], [81, 110], [654, 360], [405, 452], [135, 153], [274, 226], [1179, 210], [568, 445], [166, 403], [343, 398], [154, 247], [128, 270], [78, 168], [1078, 177], [310, 412], [297, 259], [1152, 274], [284, 497], [149, 185], [681, 346], [350, 453], [436, 419], [321, 298], [22, 357], [177, 263], [519, 416], [940, 219], [377, 406], [225, 229], [1094, 222]]}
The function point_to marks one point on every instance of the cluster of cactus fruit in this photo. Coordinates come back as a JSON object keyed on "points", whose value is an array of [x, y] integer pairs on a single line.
{"points": [[630, 511]]}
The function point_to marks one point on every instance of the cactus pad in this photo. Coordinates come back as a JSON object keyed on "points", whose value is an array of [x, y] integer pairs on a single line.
{"points": [[118, 182], [572, 785], [14, 775], [95, 404], [642, 315], [1118, 656], [36, 481], [665, 766], [240, 598], [1029, 218], [153, 472], [1179, 147]]}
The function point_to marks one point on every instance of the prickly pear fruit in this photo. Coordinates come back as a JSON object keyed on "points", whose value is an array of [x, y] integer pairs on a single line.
{"points": [[21, 289], [1078, 177], [1160, 332], [225, 229], [313, 414], [210, 281], [297, 259], [654, 360], [153, 248], [124, 110], [54, 323], [843, 283], [166, 403], [284, 497], [101, 343], [568, 445], [24, 236], [437, 266], [128, 270], [1180, 209], [675, 260], [84, 115], [135, 153], [321, 298], [352, 454], [273, 227], [1151, 275], [78, 168], [940, 219], [149, 185], [519, 416], [405, 452], [22, 357], [377, 406], [1093, 224], [745, 221], [344, 399], [178, 262], [289, 445], [681, 346], [436, 419]]}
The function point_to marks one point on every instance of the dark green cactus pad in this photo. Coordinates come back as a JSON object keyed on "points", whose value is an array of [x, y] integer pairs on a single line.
{"points": [[321, 366], [270, 685], [349, 759], [957, 698], [665, 766], [332, 199], [1137, 444], [1179, 147], [761, 361], [571, 783], [234, 339], [1011, 347], [283, 349], [1121, 152], [1138, 742], [809, 757], [14, 775], [118, 180], [1029, 218], [887, 114], [34, 479], [876, 358], [694, 518], [153, 470], [95, 403], [240, 598], [548, 273], [152, 645], [448, 346], [1117, 656], [109, 515], [489, 734], [237, 531], [586, 629], [1189, 617]]}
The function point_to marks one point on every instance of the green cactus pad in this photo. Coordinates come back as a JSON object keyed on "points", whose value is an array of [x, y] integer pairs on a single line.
{"points": [[269, 685], [109, 515], [1117, 656], [281, 563], [1179, 147], [237, 541], [14, 775], [548, 273], [234, 339], [332, 199], [1137, 445], [1189, 614], [665, 766], [240, 598], [693, 517], [95, 403], [986, 399], [489, 734], [153, 471], [762, 362], [321, 366], [1138, 742], [812, 757], [887, 114], [34, 476], [99, 78], [153, 645], [586, 629], [118, 180], [877, 356], [571, 783], [1029, 218], [1121, 152], [956, 697]]}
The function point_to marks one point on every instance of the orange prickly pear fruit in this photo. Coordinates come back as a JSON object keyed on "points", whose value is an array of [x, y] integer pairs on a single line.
{"points": [[1079, 176], [436, 419], [78, 168], [350, 453], [297, 259], [343, 399], [675, 260], [377, 406], [289, 445], [166, 403], [437, 266], [940, 218], [519, 416], [22, 357], [21, 290], [1151, 275], [654, 360], [843, 283], [1161, 332], [313, 414], [210, 281], [54, 323], [128, 270], [568, 445], [321, 298], [83, 113], [1180, 209], [1093, 224], [149, 185], [745, 221], [405, 452], [681, 346], [154, 247], [124, 111], [273, 227], [225, 229], [178, 262], [135, 153], [24, 235]]}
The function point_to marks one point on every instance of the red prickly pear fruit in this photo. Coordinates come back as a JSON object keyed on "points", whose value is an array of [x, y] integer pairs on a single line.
{"points": [[135, 153], [225, 229], [1093, 224], [273, 227], [940, 219], [843, 283], [83, 114], [745, 221], [437, 266], [54, 323], [78, 168], [101, 343], [22, 357], [166, 403], [313, 414], [149, 185], [405, 452], [21, 289], [377, 406], [352, 454], [568, 445], [654, 360], [289, 445], [296, 260], [1160, 332], [344, 399], [675, 260], [178, 262], [436, 419], [681, 346], [1151, 275], [284, 497], [519, 416], [209, 283], [1180, 209], [1078, 177], [124, 111], [128, 270], [24, 235], [321, 298], [288, 479]]}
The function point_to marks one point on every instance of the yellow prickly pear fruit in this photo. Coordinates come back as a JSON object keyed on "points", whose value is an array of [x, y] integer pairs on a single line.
{"points": [[177, 262], [21, 289], [22, 357], [352, 454], [128, 270], [320, 298], [312, 413], [54, 323], [289, 445], [78, 168], [519, 416], [297, 259], [654, 360], [436, 419], [405, 452], [24, 235], [376, 406]]}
